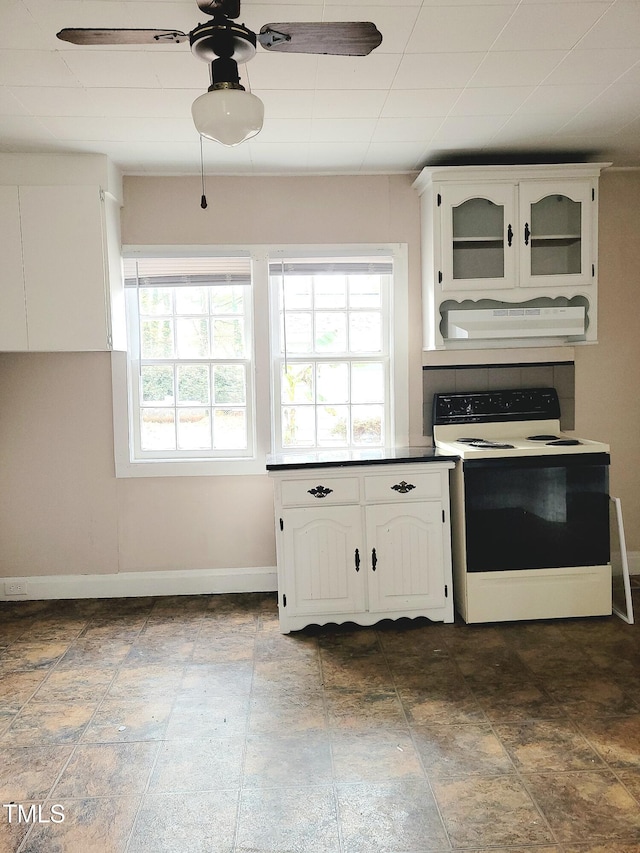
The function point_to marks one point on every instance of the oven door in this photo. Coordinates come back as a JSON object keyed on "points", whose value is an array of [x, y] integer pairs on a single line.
{"points": [[536, 512]]}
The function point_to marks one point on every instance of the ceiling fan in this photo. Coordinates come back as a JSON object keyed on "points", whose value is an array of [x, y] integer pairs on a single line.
{"points": [[227, 113]]}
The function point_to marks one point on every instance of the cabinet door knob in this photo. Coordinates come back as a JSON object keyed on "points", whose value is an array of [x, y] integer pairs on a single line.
{"points": [[403, 487], [320, 491]]}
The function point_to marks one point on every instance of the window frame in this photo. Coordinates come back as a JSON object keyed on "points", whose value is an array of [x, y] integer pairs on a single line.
{"points": [[263, 405]]}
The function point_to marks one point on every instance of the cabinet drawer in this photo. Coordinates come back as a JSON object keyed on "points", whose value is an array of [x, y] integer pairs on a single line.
{"points": [[320, 491], [408, 485]]}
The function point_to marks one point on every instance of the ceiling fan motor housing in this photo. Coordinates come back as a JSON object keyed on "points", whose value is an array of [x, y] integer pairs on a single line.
{"points": [[223, 39]]}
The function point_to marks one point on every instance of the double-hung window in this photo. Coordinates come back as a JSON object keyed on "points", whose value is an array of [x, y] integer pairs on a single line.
{"points": [[331, 333], [190, 341]]}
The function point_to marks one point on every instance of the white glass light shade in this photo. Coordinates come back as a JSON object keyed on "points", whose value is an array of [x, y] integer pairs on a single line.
{"points": [[228, 116]]}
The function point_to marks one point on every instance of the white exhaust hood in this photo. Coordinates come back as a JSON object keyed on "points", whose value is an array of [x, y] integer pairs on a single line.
{"points": [[516, 322]]}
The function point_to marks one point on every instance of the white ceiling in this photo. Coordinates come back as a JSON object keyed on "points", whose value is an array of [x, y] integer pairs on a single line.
{"points": [[452, 80]]}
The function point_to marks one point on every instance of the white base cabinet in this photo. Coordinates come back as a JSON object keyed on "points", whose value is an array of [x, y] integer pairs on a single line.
{"points": [[363, 543]]}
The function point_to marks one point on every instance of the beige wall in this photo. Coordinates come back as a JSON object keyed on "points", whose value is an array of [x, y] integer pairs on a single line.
{"points": [[62, 510]]}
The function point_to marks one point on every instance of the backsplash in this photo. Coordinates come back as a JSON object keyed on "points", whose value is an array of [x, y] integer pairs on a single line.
{"points": [[488, 377]]}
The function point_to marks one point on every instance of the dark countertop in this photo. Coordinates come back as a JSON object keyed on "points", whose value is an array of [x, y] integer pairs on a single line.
{"points": [[346, 458]]}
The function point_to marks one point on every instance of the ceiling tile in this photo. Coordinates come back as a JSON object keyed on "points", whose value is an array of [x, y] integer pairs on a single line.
{"points": [[593, 66], [516, 68], [406, 129], [549, 26], [419, 102], [498, 100], [456, 29], [436, 71], [33, 68], [336, 103]]}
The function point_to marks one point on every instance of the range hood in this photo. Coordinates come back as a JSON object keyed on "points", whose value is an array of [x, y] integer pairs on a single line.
{"points": [[517, 322]]}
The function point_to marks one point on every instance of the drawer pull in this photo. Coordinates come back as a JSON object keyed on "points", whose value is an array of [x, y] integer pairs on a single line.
{"points": [[320, 491], [403, 487]]}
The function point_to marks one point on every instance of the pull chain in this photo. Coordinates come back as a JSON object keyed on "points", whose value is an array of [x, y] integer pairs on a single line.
{"points": [[203, 199]]}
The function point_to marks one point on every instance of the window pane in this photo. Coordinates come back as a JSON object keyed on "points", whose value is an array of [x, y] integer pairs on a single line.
{"points": [[333, 382], [229, 383], [367, 382], [298, 426], [297, 383], [297, 293], [333, 424], [364, 291], [155, 300], [191, 300], [194, 429], [365, 332], [157, 338], [228, 339], [227, 299], [192, 338], [330, 291], [331, 332], [367, 424], [229, 429], [299, 331], [193, 384], [157, 384], [157, 429]]}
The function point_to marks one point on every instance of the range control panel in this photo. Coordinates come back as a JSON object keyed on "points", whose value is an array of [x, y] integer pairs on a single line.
{"points": [[522, 404]]}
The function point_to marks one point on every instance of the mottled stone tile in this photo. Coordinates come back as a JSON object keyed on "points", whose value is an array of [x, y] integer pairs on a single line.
{"points": [[616, 739], [55, 722], [12, 834], [207, 716], [586, 806], [595, 698], [93, 653], [287, 711], [547, 745], [292, 675], [489, 812], [296, 820], [17, 687], [156, 651], [152, 680], [631, 780], [363, 710], [447, 705], [376, 756], [396, 816], [28, 773], [460, 750], [85, 684], [223, 649], [518, 702], [30, 656], [275, 646], [206, 764], [101, 770], [102, 824], [120, 720], [287, 760], [217, 679], [603, 847]]}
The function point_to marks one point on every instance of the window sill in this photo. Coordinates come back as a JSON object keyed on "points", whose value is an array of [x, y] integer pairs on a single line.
{"points": [[189, 467]]}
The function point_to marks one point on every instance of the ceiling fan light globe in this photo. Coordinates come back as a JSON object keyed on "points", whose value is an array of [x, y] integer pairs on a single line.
{"points": [[228, 116]]}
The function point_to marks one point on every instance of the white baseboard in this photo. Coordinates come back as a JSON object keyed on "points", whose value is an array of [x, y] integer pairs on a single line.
{"points": [[136, 584]]}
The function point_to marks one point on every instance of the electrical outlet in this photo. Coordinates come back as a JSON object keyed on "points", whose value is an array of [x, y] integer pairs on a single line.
{"points": [[15, 588]]}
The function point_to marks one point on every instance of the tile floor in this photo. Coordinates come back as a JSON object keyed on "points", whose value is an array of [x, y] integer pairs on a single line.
{"points": [[191, 725]]}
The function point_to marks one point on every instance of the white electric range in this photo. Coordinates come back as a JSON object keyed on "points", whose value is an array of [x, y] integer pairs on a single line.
{"points": [[530, 507]]}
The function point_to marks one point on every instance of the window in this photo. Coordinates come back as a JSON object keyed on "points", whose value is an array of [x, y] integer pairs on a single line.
{"points": [[331, 373], [190, 341], [258, 349]]}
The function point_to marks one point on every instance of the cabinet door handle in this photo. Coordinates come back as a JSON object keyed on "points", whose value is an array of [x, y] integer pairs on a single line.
{"points": [[527, 233], [374, 559], [320, 491], [357, 560], [403, 487], [509, 235]]}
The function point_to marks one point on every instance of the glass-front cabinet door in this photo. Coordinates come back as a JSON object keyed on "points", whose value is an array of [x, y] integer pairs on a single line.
{"points": [[556, 233], [478, 237]]}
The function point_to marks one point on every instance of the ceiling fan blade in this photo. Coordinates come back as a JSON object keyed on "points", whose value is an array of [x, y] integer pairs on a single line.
{"points": [[103, 36], [340, 38]]}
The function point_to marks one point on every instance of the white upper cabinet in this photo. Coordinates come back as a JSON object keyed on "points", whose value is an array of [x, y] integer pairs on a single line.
{"points": [[62, 284], [509, 239]]}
